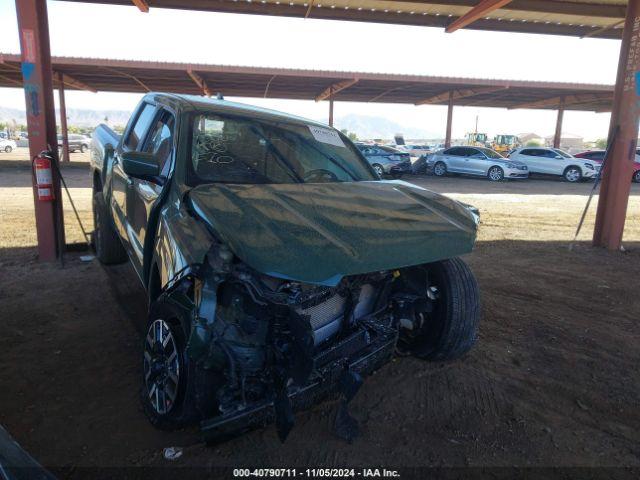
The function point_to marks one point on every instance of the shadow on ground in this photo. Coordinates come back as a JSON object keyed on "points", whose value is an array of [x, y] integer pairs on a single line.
{"points": [[552, 381]]}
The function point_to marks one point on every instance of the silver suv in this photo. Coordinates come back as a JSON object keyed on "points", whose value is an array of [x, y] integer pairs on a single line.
{"points": [[553, 161]]}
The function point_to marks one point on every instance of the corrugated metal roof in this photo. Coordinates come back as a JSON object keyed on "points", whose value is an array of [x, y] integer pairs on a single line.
{"points": [[577, 18], [263, 82]]}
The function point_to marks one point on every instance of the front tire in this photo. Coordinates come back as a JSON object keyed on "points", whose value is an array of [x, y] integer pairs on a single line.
{"points": [[106, 242], [175, 391], [379, 170], [83, 148], [8, 149], [636, 176], [440, 169], [495, 174], [451, 328], [572, 174]]}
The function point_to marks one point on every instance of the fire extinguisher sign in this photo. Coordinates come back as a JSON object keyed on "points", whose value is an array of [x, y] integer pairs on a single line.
{"points": [[43, 176]]}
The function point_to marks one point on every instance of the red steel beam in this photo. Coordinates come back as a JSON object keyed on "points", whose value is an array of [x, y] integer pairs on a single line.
{"points": [[558, 135], [37, 79], [199, 81], [335, 88], [447, 137], [616, 176], [142, 5], [459, 94], [477, 12]]}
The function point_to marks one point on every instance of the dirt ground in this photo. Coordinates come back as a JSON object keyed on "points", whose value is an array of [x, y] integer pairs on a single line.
{"points": [[553, 381]]}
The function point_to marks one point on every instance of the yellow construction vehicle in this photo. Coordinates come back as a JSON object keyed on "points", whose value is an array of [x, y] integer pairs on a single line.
{"points": [[505, 143], [477, 139]]}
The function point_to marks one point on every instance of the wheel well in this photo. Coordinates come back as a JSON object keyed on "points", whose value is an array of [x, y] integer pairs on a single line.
{"points": [[573, 166], [97, 182]]}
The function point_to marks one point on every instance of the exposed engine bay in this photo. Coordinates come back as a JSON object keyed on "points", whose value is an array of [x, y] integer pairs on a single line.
{"points": [[282, 343]]}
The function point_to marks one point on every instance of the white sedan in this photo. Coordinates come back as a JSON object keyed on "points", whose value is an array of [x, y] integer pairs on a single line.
{"points": [[553, 161], [7, 145]]}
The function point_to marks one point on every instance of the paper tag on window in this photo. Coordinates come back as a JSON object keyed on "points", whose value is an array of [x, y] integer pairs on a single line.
{"points": [[327, 135]]}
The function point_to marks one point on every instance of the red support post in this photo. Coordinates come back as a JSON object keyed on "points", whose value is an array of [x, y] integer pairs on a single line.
{"points": [[33, 29], [558, 135], [616, 176], [331, 107], [63, 119], [447, 138]]}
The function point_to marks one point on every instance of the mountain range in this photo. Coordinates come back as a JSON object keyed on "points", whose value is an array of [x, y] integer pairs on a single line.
{"points": [[364, 126]]}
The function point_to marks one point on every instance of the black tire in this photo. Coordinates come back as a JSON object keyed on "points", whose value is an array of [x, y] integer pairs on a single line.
{"points": [[106, 242], [452, 328], [495, 174], [572, 174], [8, 149], [195, 396], [379, 170], [636, 176], [440, 169], [83, 148]]}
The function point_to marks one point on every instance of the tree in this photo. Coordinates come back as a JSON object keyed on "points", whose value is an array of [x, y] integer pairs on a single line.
{"points": [[350, 135], [534, 143], [601, 143]]}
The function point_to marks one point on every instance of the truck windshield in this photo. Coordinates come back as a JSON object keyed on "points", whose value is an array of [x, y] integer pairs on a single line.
{"points": [[231, 149]]}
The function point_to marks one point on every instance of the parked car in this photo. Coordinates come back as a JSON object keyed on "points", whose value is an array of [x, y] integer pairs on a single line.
{"points": [[77, 142], [7, 145], [418, 150], [386, 160], [279, 267], [553, 161], [480, 161], [597, 156]]}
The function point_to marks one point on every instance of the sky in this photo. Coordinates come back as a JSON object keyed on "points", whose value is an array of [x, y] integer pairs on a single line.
{"points": [[104, 31]]}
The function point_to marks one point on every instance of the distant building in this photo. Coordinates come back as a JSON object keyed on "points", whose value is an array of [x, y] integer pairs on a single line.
{"points": [[568, 141]]}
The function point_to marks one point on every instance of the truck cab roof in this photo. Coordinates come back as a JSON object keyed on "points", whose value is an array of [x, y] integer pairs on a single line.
{"points": [[221, 106]]}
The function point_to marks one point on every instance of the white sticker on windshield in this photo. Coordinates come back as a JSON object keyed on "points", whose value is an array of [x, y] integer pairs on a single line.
{"points": [[327, 135]]}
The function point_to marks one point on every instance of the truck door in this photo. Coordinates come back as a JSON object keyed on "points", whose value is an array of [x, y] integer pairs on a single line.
{"points": [[120, 181], [142, 194]]}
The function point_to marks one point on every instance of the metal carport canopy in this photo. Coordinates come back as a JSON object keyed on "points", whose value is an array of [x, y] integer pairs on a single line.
{"points": [[95, 74], [596, 18]]}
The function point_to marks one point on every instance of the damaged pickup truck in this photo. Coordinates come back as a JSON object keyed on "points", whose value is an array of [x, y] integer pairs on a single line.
{"points": [[280, 268]]}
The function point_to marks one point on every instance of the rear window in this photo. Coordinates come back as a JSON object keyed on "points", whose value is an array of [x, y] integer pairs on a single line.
{"points": [[389, 149], [490, 153], [562, 153]]}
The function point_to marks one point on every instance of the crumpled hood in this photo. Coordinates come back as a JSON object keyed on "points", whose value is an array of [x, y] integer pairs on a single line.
{"points": [[318, 233]]}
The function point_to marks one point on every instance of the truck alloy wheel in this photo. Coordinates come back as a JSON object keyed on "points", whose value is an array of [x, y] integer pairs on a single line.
{"points": [[161, 367], [379, 170]]}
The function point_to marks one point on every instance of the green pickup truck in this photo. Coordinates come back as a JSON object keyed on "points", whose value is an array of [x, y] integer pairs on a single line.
{"points": [[280, 268]]}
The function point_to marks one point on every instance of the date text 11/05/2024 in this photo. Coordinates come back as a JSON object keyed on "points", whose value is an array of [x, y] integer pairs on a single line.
{"points": [[315, 473]]}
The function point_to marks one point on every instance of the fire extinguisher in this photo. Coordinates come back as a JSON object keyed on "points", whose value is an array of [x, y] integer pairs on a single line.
{"points": [[44, 182]]}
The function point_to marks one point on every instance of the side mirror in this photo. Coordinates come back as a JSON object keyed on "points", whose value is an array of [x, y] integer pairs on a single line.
{"points": [[140, 165]]}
